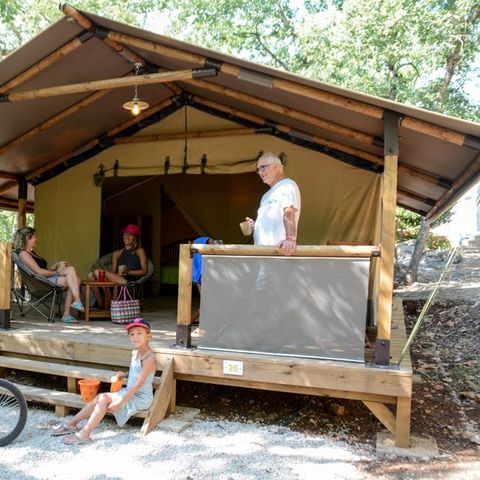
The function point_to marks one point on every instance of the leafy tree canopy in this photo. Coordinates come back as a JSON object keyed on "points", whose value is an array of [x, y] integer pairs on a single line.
{"points": [[421, 52]]}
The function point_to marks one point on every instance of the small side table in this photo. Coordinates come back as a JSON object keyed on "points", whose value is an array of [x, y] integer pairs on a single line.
{"points": [[110, 290]]}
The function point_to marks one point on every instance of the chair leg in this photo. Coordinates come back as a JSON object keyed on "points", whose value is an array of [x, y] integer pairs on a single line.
{"points": [[51, 314]]}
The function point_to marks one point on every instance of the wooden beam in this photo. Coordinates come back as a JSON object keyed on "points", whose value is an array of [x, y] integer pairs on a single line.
{"points": [[106, 84], [12, 204], [184, 310], [375, 159], [364, 251], [422, 175], [92, 143], [7, 186], [54, 120], [8, 176], [277, 108], [42, 65], [22, 202], [389, 201], [231, 132], [383, 413], [5, 274], [402, 423], [337, 100], [416, 196], [370, 157], [458, 186], [161, 400]]}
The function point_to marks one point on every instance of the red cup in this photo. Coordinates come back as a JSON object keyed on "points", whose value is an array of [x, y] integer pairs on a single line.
{"points": [[101, 275]]}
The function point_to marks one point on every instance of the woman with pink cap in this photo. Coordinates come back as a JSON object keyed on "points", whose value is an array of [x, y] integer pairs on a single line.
{"points": [[129, 263]]}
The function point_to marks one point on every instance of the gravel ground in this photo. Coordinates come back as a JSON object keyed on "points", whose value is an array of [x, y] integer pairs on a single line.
{"points": [[205, 450], [308, 441]]}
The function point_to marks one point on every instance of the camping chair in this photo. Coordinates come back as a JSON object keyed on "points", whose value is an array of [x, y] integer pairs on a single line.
{"points": [[136, 288], [35, 293]]}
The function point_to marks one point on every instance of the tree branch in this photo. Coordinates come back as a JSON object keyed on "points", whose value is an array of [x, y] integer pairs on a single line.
{"points": [[265, 47], [455, 58]]}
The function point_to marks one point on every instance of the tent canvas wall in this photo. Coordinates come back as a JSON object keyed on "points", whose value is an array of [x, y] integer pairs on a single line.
{"points": [[339, 201]]}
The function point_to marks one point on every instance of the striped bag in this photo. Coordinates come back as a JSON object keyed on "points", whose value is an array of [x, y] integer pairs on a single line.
{"points": [[124, 308]]}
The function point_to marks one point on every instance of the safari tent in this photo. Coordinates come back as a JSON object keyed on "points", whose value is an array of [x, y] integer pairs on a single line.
{"points": [[185, 166]]}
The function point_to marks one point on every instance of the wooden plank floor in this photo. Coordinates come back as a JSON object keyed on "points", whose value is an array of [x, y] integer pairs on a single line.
{"points": [[161, 313], [101, 343], [108, 343]]}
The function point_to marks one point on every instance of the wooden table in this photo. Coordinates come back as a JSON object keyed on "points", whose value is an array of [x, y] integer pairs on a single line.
{"points": [[110, 290]]}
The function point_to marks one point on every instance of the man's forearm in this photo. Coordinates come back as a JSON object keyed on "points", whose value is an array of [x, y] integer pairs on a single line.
{"points": [[289, 223]]}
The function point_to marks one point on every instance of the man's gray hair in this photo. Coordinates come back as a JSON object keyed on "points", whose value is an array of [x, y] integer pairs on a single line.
{"points": [[270, 156]]}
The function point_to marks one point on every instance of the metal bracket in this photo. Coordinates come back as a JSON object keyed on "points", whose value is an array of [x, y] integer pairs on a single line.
{"points": [[5, 319], [184, 336], [382, 352], [391, 121]]}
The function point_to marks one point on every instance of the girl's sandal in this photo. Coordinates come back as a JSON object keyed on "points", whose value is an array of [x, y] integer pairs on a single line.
{"points": [[76, 439], [69, 319], [63, 429]]}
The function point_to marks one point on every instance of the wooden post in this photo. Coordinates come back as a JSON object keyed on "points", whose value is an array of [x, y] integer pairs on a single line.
{"points": [[402, 425], [162, 399], [387, 242], [5, 279], [184, 311], [22, 202]]}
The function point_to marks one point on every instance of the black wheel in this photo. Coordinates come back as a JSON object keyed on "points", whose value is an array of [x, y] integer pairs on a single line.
{"points": [[13, 412]]}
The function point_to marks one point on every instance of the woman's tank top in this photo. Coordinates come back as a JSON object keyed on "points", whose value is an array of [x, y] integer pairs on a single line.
{"points": [[132, 261]]}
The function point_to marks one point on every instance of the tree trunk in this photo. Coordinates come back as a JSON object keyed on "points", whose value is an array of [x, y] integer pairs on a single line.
{"points": [[412, 270]]}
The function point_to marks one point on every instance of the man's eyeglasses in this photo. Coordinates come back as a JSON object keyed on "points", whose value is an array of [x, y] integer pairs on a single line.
{"points": [[261, 168]]}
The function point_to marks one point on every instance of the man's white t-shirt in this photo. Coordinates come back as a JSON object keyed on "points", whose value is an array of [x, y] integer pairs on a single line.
{"points": [[269, 227]]}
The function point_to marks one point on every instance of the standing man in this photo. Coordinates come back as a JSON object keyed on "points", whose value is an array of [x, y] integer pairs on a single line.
{"points": [[279, 211]]}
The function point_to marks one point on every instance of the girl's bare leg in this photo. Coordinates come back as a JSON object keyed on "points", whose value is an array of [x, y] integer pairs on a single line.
{"points": [[99, 411], [93, 412]]}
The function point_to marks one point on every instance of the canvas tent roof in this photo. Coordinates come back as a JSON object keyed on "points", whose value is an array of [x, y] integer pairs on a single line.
{"points": [[40, 138]]}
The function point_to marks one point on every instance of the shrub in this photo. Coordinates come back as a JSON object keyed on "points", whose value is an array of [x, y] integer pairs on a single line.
{"points": [[437, 242]]}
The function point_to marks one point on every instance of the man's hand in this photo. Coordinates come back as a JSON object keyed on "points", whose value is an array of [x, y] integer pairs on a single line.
{"points": [[288, 246]]}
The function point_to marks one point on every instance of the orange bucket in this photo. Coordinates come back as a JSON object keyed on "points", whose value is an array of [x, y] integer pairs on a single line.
{"points": [[117, 384], [88, 388]]}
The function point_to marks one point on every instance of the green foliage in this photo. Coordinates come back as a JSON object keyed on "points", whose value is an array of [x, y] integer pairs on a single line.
{"points": [[421, 52], [408, 223], [8, 224], [434, 242]]}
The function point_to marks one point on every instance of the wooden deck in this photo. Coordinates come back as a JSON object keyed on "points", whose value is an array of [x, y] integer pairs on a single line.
{"points": [[106, 345]]}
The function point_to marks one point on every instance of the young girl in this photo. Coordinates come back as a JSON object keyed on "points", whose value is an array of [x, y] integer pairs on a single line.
{"points": [[136, 396]]}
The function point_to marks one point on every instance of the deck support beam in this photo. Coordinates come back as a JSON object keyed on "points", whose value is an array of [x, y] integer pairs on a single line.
{"points": [[184, 311], [5, 280], [389, 201], [22, 202]]}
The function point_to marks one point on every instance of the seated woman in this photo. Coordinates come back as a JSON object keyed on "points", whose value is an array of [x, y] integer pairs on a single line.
{"points": [[129, 263], [59, 273]]}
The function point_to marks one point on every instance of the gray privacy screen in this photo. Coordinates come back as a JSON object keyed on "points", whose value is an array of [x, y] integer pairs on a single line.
{"points": [[305, 307]]}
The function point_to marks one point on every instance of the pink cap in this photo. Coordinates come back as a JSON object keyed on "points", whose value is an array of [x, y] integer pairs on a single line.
{"points": [[137, 322], [133, 229]]}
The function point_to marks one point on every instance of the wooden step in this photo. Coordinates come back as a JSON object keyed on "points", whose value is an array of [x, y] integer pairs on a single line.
{"points": [[54, 397], [60, 369]]}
